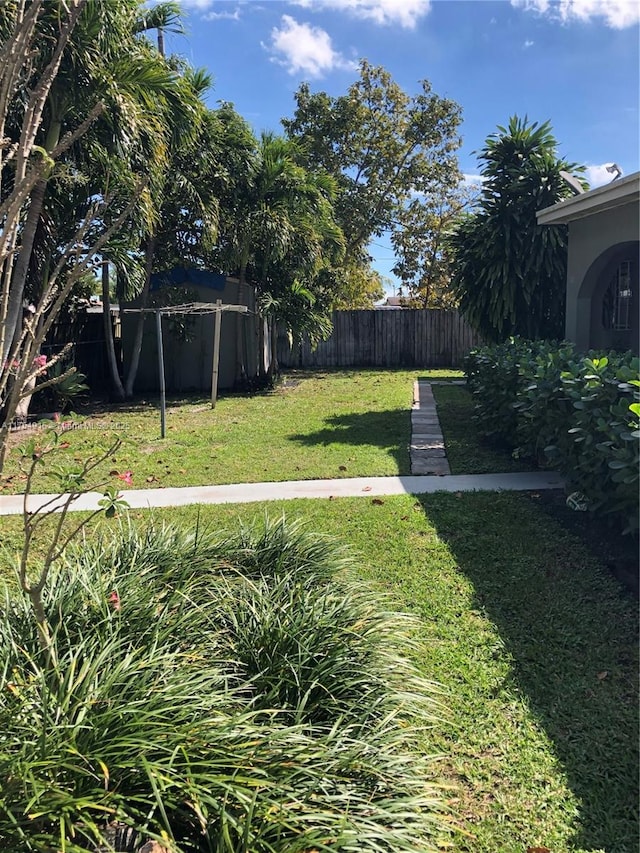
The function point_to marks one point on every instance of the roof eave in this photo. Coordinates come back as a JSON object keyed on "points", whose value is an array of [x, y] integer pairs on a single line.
{"points": [[617, 193]]}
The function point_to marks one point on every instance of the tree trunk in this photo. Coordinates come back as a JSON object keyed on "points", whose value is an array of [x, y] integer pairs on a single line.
{"points": [[19, 276], [139, 331], [116, 382], [21, 268]]}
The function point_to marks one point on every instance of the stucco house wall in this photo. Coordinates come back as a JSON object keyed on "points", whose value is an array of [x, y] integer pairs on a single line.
{"points": [[604, 231]]}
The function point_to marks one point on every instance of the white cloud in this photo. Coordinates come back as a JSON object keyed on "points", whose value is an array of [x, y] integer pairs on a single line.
{"points": [[598, 175], [616, 14], [217, 16], [472, 180], [223, 5], [528, 43], [200, 5], [301, 47], [406, 13]]}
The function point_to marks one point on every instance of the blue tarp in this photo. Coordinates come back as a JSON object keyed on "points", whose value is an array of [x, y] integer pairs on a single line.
{"points": [[179, 276]]}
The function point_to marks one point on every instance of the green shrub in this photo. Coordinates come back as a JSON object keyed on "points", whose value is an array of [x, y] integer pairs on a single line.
{"points": [[576, 413], [215, 699], [493, 374]]}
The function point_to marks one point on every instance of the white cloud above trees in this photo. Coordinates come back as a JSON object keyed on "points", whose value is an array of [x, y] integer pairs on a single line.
{"points": [[404, 13], [302, 48], [617, 14]]}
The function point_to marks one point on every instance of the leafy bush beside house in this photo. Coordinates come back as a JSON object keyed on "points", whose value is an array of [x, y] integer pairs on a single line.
{"points": [[578, 413]]}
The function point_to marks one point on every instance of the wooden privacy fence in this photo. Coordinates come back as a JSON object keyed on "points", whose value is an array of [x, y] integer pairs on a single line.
{"points": [[405, 337]]}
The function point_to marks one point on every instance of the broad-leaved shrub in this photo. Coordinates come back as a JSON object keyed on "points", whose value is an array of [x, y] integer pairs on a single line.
{"points": [[578, 413]]}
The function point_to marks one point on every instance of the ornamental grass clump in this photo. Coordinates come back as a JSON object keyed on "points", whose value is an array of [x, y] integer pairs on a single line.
{"points": [[212, 700]]}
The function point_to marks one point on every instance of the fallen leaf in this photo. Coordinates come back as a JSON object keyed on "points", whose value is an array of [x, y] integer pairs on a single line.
{"points": [[150, 479], [182, 470], [602, 675], [342, 468], [377, 501], [64, 444], [114, 473], [367, 489], [405, 518], [538, 850], [331, 498]]}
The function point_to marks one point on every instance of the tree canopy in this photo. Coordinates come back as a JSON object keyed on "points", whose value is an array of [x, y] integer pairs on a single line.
{"points": [[382, 146], [509, 273]]}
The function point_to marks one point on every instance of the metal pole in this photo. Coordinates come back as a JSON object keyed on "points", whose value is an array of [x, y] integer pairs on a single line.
{"points": [[217, 321], [163, 398]]}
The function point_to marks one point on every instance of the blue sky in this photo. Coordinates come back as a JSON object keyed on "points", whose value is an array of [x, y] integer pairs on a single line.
{"points": [[572, 62]]}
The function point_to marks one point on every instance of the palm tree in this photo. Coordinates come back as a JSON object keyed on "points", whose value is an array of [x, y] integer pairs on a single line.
{"points": [[108, 71], [508, 272], [284, 220], [185, 198]]}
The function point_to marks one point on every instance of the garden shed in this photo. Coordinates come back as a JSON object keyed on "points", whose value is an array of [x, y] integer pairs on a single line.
{"points": [[188, 339], [602, 271]]}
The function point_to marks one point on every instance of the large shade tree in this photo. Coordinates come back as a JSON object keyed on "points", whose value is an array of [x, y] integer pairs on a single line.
{"points": [[382, 146], [509, 273], [422, 245]]}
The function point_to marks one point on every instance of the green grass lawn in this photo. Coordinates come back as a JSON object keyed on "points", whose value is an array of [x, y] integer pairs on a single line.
{"points": [[315, 425], [536, 649], [533, 642], [467, 451]]}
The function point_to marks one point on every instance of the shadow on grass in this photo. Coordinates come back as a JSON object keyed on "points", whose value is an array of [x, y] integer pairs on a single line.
{"points": [[467, 451], [571, 632], [390, 429]]}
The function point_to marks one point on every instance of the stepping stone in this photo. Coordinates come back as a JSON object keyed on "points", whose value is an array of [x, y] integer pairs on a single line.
{"points": [[429, 420], [429, 453], [426, 443], [430, 466], [429, 431]]}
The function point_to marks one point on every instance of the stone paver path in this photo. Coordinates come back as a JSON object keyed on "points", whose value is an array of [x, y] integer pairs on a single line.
{"points": [[427, 451]]}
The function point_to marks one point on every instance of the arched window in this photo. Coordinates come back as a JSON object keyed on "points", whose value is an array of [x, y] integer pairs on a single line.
{"points": [[616, 303]]}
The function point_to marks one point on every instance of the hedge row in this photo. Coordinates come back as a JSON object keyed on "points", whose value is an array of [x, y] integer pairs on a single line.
{"points": [[578, 413]]}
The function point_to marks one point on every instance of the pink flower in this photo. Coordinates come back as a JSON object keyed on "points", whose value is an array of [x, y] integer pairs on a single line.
{"points": [[114, 599], [127, 477], [40, 361], [56, 417]]}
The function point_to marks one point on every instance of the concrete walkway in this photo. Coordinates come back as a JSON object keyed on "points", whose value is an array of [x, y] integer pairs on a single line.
{"points": [[347, 487], [429, 468]]}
